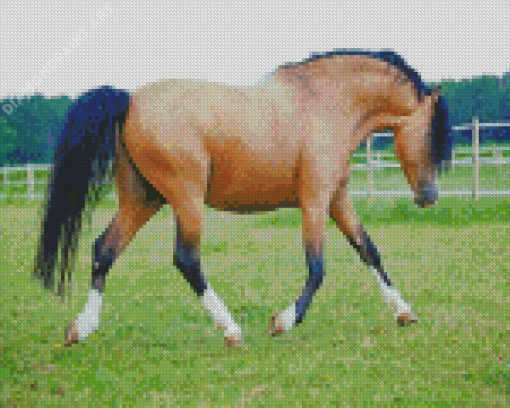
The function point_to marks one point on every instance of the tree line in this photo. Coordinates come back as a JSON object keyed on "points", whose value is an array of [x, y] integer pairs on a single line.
{"points": [[30, 128]]}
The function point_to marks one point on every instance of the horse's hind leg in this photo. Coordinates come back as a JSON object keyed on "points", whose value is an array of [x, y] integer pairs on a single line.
{"points": [[135, 209], [343, 213]]}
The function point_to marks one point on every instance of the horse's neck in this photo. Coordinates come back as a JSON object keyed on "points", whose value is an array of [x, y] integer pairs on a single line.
{"points": [[270, 87]]}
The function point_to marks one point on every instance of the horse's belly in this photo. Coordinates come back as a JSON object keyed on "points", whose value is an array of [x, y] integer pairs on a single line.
{"points": [[247, 189]]}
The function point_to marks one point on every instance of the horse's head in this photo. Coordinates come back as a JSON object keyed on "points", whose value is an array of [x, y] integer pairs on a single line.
{"points": [[423, 146]]}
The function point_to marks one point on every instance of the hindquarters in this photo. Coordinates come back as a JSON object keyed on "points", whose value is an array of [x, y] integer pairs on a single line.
{"points": [[166, 149]]}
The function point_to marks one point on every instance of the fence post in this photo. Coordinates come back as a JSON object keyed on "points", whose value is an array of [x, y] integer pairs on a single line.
{"points": [[476, 156], [499, 153], [30, 182], [369, 170], [453, 161], [7, 181]]}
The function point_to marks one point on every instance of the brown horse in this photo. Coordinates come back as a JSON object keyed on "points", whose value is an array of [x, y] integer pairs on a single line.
{"points": [[285, 142]]}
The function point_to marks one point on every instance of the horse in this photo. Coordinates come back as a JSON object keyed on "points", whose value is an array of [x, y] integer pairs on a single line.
{"points": [[284, 142]]}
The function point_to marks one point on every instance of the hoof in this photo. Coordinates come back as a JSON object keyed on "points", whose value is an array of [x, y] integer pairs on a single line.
{"points": [[276, 326], [233, 340], [406, 318], [71, 335]]}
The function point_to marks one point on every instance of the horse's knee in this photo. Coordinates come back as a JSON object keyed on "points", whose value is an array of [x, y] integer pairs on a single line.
{"points": [[315, 219], [187, 260]]}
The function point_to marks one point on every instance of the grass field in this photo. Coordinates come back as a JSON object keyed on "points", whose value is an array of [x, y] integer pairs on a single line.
{"points": [[157, 346]]}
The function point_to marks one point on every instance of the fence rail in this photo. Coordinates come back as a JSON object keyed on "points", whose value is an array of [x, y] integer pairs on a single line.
{"points": [[373, 161], [474, 126]]}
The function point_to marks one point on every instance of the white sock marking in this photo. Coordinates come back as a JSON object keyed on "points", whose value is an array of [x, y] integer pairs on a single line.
{"points": [[219, 311], [88, 320], [392, 296], [288, 317]]}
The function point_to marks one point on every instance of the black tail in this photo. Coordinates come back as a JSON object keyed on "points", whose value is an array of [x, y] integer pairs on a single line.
{"points": [[84, 154]]}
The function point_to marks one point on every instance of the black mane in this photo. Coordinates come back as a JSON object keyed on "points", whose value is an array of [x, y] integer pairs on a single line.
{"points": [[388, 56], [441, 141]]}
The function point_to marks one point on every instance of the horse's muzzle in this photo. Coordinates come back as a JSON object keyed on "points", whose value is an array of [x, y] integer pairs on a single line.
{"points": [[426, 195]]}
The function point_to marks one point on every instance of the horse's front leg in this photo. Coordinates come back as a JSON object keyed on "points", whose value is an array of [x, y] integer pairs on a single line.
{"points": [[346, 220], [315, 217], [189, 219]]}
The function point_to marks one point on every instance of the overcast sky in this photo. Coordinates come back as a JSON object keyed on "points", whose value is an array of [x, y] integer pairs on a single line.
{"points": [[66, 47]]}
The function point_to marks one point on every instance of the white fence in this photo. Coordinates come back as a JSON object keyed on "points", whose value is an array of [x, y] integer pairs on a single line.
{"points": [[497, 158], [373, 162], [475, 143], [30, 181]]}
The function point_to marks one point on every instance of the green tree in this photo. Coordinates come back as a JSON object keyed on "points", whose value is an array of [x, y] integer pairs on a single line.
{"points": [[8, 141], [38, 122]]}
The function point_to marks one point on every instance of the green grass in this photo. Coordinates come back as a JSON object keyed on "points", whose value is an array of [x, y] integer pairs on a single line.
{"points": [[157, 346]]}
